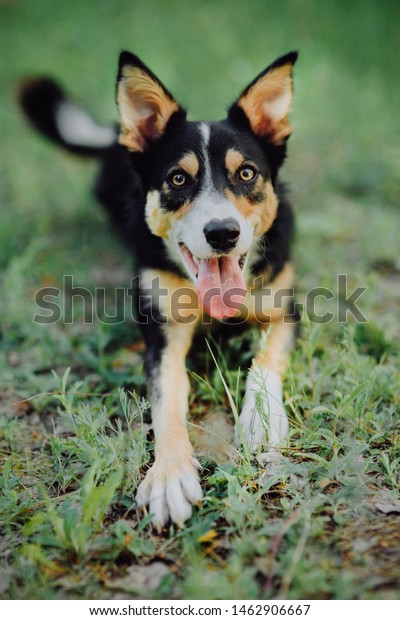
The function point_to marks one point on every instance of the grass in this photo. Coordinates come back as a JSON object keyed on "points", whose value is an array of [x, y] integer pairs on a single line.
{"points": [[321, 520]]}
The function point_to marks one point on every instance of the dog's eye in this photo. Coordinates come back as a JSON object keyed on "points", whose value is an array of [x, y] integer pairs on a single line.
{"points": [[247, 174], [178, 179]]}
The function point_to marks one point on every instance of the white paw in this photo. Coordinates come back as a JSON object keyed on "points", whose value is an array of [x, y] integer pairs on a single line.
{"points": [[263, 419], [170, 489]]}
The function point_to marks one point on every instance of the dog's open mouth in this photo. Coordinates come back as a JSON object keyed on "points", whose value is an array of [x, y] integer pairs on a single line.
{"points": [[220, 282]]}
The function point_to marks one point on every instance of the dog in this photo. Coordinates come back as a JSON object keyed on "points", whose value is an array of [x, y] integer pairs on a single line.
{"points": [[202, 210]]}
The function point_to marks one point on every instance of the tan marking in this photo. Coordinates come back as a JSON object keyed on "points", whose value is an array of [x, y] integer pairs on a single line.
{"points": [[267, 103], [170, 398], [262, 309], [144, 108], [173, 476], [261, 215], [190, 164], [171, 406], [169, 402], [160, 220], [233, 160], [180, 304]]}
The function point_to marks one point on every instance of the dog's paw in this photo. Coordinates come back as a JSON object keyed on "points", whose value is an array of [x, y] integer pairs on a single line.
{"points": [[170, 489], [263, 418]]}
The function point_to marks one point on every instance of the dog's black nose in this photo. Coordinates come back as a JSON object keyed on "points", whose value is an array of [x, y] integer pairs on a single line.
{"points": [[222, 234]]}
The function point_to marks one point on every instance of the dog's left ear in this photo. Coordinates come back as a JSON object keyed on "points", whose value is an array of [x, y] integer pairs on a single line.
{"points": [[266, 101], [145, 105]]}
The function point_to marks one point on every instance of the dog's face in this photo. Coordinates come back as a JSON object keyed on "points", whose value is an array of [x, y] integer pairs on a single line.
{"points": [[210, 186]]}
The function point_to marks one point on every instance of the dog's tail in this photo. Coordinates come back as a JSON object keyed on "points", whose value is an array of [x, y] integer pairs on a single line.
{"points": [[63, 121]]}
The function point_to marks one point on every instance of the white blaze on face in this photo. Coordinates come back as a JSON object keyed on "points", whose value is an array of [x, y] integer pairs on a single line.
{"points": [[219, 280], [205, 131]]}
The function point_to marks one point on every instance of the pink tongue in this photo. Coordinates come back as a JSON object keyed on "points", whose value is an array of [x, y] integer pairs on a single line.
{"points": [[221, 286]]}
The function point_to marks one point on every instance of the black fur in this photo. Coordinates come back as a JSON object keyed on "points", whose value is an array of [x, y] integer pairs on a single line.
{"points": [[125, 179]]}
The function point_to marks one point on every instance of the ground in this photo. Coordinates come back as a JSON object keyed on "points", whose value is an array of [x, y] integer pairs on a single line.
{"points": [[322, 519]]}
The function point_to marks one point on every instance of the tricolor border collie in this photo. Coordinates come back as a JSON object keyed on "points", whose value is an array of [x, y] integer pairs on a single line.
{"points": [[202, 210]]}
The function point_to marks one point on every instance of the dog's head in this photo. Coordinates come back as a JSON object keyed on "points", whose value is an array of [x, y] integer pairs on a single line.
{"points": [[210, 186]]}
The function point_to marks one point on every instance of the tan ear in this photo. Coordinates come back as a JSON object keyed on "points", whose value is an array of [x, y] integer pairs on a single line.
{"points": [[145, 105], [267, 100]]}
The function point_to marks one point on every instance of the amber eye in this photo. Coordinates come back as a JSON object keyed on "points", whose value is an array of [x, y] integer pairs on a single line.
{"points": [[247, 174], [178, 179]]}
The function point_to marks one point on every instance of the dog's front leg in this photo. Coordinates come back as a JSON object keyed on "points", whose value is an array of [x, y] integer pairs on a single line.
{"points": [[263, 418], [171, 485]]}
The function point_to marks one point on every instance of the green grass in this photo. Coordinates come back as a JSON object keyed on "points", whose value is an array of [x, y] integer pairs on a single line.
{"points": [[322, 519]]}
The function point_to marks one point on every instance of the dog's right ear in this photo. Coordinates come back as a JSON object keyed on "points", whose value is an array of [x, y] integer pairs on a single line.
{"points": [[145, 105]]}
